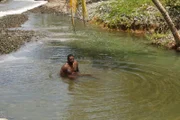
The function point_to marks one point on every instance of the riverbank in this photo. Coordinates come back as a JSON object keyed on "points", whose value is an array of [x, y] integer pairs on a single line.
{"points": [[53, 6], [138, 17], [11, 40], [145, 20]]}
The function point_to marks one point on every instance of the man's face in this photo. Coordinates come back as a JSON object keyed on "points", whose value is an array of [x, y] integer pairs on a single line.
{"points": [[71, 59]]}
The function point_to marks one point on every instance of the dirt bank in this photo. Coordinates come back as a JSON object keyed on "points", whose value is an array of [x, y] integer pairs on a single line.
{"points": [[11, 40], [53, 6]]}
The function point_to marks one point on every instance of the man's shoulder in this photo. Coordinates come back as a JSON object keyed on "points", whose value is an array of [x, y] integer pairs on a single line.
{"points": [[75, 62], [65, 66]]}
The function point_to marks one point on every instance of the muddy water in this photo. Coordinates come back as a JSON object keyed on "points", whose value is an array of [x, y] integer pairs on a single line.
{"points": [[131, 80]]}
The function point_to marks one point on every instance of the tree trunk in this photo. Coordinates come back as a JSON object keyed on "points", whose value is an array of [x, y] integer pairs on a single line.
{"points": [[169, 21]]}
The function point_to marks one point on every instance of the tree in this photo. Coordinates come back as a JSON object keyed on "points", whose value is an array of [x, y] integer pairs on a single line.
{"points": [[169, 21], [73, 6]]}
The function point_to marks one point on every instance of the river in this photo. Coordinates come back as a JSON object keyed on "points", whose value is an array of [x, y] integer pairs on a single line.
{"points": [[12, 7], [131, 80]]}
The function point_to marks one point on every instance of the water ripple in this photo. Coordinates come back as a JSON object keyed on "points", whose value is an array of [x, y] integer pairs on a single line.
{"points": [[127, 89]]}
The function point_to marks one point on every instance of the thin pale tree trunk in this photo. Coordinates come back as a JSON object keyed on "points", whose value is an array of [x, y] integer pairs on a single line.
{"points": [[72, 20], [73, 6], [169, 21], [84, 11]]}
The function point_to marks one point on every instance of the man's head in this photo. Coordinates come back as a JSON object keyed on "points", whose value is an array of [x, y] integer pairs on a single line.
{"points": [[70, 59]]}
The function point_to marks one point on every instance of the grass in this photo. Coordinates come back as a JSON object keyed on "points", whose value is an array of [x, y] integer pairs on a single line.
{"points": [[123, 7], [124, 10], [127, 6]]}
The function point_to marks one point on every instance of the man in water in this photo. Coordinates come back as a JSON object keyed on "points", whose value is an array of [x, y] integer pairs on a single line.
{"points": [[70, 69]]}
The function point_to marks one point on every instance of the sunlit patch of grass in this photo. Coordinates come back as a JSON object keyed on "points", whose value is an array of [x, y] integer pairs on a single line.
{"points": [[118, 8]]}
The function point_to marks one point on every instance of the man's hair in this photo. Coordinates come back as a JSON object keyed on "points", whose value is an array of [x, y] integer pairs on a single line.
{"points": [[70, 55]]}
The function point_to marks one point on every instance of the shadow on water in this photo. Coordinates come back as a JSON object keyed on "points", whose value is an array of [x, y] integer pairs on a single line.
{"points": [[132, 80]]}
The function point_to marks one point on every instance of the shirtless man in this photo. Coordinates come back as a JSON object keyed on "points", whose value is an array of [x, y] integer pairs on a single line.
{"points": [[70, 69]]}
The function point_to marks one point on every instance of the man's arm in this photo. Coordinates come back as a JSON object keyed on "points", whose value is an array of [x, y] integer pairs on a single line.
{"points": [[76, 66], [63, 71]]}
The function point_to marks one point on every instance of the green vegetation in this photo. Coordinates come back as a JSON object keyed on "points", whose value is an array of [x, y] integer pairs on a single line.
{"points": [[114, 10], [131, 14], [139, 16], [130, 7], [127, 14], [126, 6]]}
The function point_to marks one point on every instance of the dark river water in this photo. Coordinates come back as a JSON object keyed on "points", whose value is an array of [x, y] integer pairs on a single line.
{"points": [[131, 80]]}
